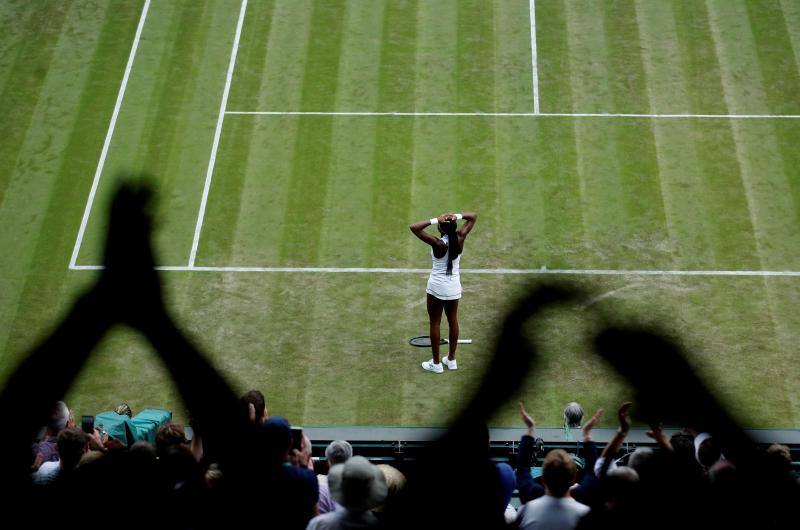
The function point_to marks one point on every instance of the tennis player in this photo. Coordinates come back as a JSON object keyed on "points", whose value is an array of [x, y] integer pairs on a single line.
{"points": [[444, 283]]}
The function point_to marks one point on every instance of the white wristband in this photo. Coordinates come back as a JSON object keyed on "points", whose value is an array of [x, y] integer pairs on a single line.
{"points": [[459, 216], [434, 221]]}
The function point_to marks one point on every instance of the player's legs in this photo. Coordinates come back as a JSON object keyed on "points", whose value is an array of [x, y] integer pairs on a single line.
{"points": [[435, 307], [451, 310]]}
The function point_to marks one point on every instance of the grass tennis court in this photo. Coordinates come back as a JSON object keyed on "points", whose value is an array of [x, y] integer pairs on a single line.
{"points": [[341, 122]]}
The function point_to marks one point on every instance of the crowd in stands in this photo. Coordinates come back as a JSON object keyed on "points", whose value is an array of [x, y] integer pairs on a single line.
{"points": [[243, 466], [558, 490]]}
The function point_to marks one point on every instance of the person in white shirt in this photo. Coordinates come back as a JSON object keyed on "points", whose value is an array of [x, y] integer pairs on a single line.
{"points": [[556, 510]]}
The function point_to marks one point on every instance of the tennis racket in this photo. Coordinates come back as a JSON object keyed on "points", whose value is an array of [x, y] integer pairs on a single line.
{"points": [[424, 341]]}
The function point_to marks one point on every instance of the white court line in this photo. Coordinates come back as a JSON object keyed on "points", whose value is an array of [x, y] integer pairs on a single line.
{"points": [[120, 95], [541, 271], [534, 59], [215, 145], [518, 114]]}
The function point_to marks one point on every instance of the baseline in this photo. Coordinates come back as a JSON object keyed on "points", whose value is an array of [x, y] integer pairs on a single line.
{"points": [[516, 114], [540, 271]]}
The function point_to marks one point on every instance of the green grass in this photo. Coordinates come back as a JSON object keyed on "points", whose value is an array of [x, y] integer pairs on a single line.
{"points": [[339, 191]]}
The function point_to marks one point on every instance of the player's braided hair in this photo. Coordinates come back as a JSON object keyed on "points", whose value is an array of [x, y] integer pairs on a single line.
{"points": [[453, 245]]}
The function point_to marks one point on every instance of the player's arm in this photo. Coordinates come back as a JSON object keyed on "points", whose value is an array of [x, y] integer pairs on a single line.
{"points": [[419, 230], [469, 222]]}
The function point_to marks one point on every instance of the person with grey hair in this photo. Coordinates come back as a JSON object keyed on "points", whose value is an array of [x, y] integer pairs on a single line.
{"points": [[641, 460], [573, 416], [45, 450], [337, 452]]}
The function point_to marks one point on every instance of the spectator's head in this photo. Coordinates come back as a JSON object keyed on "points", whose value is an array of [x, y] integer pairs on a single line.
{"points": [[169, 434], [641, 460], [573, 415], [619, 485], [683, 446], [338, 452], [707, 450], [255, 399], [395, 482], [357, 484], [558, 472], [123, 409], [72, 444], [58, 418], [276, 438], [779, 461]]}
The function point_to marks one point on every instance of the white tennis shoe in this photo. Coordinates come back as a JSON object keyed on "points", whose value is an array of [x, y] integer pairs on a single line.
{"points": [[430, 367], [451, 365]]}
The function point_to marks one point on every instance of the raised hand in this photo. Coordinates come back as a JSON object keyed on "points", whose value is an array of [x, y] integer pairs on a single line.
{"points": [[527, 419], [624, 416], [589, 425]]}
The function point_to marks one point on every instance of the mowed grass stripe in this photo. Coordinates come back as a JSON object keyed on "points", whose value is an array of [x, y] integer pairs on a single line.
{"points": [[722, 195], [587, 54], [42, 191], [601, 186], [555, 75], [433, 171], [348, 208], [791, 17], [393, 147], [166, 126], [678, 167], [512, 68], [22, 90], [778, 65], [231, 188], [768, 191], [646, 231], [475, 186], [698, 58], [771, 213], [301, 229], [563, 190]]}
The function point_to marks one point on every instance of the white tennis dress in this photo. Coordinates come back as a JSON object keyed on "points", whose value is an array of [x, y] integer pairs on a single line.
{"points": [[441, 285]]}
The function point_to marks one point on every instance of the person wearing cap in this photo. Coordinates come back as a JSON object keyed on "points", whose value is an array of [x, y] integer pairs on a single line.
{"points": [[358, 486], [292, 490]]}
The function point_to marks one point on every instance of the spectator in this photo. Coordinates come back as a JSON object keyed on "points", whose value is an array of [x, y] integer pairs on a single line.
{"points": [[706, 450], [573, 416], [337, 452], [358, 486], [395, 483], [294, 488], [606, 460], [256, 406], [527, 487], [169, 434], [123, 409], [46, 447], [72, 443], [556, 510]]}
